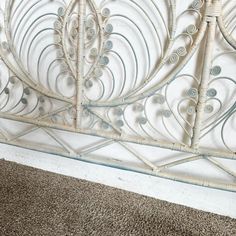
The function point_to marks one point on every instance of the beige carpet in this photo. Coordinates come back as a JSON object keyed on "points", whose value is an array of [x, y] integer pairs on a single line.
{"points": [[35, 202]]}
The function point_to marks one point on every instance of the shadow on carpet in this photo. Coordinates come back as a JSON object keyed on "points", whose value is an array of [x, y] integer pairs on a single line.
{"points": [[39, 203]]}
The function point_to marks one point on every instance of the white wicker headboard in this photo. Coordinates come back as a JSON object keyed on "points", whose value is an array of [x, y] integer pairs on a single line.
{"points": [[147, 86]]}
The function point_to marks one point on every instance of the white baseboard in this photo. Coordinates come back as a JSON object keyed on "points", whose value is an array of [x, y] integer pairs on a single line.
{"points": [[211, 200]]}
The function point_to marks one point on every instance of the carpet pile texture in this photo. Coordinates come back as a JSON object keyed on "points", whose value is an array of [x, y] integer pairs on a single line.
{"points": [[39, 203]]}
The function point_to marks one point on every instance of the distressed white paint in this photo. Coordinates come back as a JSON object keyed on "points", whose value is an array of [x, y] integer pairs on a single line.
{"points": [[201, 198]]}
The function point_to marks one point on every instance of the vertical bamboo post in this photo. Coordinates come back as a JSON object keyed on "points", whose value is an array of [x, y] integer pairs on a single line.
{"points": [[207, 64], [80, 62]]}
